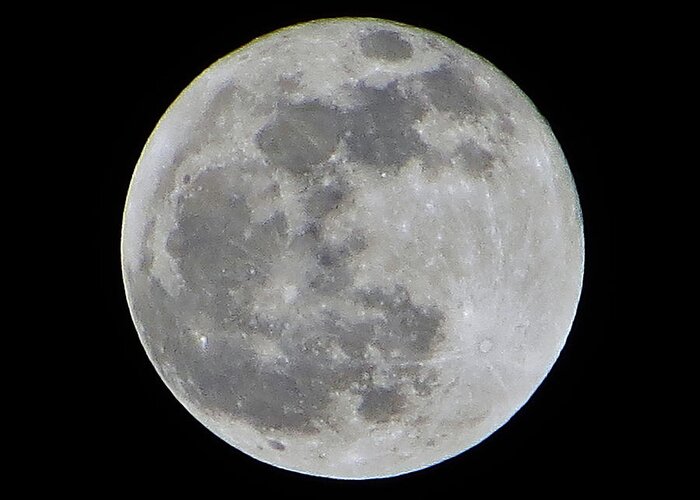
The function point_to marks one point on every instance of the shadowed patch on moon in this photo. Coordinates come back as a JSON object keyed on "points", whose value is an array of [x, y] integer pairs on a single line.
{"points": [[344, 261], [300, 136], [216, 246], [276, 445], [380, 404], [452, 90], [387, 45], [412, 329], [332, 274], [326, 198], [475, 158], [379, 131]]}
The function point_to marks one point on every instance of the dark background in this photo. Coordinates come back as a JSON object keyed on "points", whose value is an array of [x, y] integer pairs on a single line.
{"points": [[566, 432]]}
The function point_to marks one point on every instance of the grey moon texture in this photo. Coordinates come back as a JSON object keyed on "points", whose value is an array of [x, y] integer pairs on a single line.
{"points": [[352, 248]]}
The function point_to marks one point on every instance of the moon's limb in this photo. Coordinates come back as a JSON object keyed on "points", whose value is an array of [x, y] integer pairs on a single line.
{"points": [[352, 248]]}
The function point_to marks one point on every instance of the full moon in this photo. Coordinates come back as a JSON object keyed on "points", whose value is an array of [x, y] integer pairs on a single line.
{"points": [[352, 248]]}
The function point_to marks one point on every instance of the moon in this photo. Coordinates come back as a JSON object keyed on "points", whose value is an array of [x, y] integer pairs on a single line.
{"points": [[352, 248]]}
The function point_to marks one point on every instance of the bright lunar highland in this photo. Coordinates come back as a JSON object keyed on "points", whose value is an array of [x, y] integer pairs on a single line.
{"points": [[352, 248]]}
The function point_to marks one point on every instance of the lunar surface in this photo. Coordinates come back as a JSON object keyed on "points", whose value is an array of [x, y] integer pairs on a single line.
{"points": [[352, 248]]}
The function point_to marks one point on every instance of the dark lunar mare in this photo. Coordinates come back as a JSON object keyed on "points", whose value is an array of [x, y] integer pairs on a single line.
{"points": [[228, 375], [378, 130], [385, 44]]}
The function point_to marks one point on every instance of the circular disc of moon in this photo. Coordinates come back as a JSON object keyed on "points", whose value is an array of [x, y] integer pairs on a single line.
{"points": [[352, 248]]}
